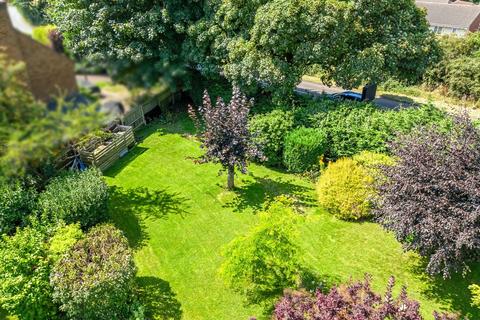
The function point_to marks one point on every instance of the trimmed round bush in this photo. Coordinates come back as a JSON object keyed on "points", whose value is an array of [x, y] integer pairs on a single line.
{"points": [[303, 149], [347, 187], [95, 278], [269, 131], [78, 197]]}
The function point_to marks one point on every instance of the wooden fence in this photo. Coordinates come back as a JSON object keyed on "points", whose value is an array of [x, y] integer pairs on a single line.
{"points": [[136, 116], [105, 155]]}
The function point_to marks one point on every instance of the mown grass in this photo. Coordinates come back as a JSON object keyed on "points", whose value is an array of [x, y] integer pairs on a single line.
{"points": [[178, 216]]}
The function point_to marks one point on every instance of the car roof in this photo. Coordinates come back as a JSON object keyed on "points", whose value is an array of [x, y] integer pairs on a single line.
{"points": [[351, 93]]}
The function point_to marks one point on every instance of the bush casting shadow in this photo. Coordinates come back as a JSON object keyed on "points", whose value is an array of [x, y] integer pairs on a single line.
{"points": [[256, 193], [130, 207], [157, 297], [453, 290]]}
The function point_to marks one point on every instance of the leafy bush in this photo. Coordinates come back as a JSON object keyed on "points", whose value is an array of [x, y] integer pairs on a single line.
{"points": [[353, 127], [303, 149], [458, 68], [63, 239], [475, 289], [348, 187], [75, 197], [40, 34], [25, 289], [95, 278], [269, 131], [16, 203], [463, 77], [33, 10], [431, 196], [353, 301], [266, 260]]}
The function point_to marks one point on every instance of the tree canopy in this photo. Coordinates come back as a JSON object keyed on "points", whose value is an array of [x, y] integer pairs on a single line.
{"points": [[267, 43]]}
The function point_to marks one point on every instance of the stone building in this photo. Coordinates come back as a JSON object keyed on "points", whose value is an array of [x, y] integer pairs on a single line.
{"points": [[47, 73]]}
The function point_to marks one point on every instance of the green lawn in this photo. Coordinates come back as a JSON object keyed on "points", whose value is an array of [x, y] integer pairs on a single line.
{"points": [[178, 216]]}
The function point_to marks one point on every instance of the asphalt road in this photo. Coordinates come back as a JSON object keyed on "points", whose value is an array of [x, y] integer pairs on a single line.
{"points": [[316, 89]]}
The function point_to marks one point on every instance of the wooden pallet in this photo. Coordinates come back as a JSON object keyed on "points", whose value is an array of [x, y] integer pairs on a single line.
{"points": [[104, 156]]}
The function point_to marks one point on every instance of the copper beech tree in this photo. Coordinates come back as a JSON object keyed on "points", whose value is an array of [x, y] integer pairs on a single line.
{"points": [[223, 131]]}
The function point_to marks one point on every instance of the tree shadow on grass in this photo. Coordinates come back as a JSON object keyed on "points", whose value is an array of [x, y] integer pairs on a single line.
{"points": [[159, 300], [254, 194], [124, 161], [130, 208], [453, 291]]}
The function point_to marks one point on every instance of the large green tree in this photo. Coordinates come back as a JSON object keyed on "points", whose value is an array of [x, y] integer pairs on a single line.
{"points": [[138, 41], [266, 43]]}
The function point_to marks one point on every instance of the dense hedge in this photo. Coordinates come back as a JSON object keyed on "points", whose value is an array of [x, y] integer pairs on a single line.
{"points": [[347, 187], [269, 131], [303, 149], [459, 67], [16, 203], [353, 127], [95, 278], [25, 289], [75, 197]]}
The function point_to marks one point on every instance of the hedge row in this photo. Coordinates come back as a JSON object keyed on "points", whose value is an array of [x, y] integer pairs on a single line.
{"points": [[339, 129]]}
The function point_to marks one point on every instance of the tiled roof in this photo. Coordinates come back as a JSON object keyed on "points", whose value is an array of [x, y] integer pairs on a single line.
{"points": [[455, 15]]}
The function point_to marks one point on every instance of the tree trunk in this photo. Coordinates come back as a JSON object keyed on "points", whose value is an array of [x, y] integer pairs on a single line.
{"points": [[231, 177]]}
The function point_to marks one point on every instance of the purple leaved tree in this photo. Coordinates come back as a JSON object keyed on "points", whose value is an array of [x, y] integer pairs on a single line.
{"points": [[223, 130], [355, 301], [431, 197]]}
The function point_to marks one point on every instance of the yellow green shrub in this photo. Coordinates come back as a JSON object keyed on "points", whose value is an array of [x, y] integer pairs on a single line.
{"points": [[347, 187]]}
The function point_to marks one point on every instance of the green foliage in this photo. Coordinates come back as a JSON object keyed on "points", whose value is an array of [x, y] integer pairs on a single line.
{"points": [[266, 260], [25, 288], [353, 127], [268, 43], [347, 188], [217, 87], [458, 69], [75, 197], [31, 134], [63, 239], [475, 289], [463, 77], [138, 43], [269, 131], [303, 149], [40, 34], [33, 10], [16, 204], [95, 278], [280, 40]]}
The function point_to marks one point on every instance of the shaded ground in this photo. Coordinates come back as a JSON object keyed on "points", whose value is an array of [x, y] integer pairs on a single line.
{"points": [[178, 217]]}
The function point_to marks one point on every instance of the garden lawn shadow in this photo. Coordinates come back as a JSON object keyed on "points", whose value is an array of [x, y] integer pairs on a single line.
{"points": [[129, 208], [253, 194], [454, 290], [159, 300], [125, 161]]}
